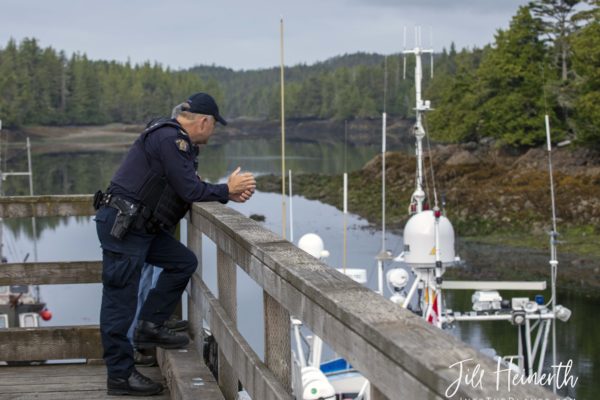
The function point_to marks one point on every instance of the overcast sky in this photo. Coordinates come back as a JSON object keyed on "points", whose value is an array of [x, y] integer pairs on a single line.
{"points": [[244, 34]]}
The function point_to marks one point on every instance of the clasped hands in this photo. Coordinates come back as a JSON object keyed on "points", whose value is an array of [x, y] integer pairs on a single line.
{"points": [[241, 186]]}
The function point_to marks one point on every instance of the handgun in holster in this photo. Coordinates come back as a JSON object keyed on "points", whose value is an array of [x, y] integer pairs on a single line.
{"points": [[127, 214]]}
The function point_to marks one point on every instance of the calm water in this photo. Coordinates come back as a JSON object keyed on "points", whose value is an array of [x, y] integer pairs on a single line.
{"points": [[70, 239]]}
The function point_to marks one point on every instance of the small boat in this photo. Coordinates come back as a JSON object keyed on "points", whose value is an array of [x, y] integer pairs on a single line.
{"points": [[20, 307]]}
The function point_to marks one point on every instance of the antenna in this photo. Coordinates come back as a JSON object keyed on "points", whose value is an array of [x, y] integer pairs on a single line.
{"points": [[421, 106], [431, 47], [344, 255], [385, 81], [283, 208], [404, 54], [291, 208], [416, 36], [553, 243]]}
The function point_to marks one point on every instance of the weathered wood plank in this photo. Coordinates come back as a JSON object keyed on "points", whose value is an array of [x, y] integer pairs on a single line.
{"points": [[257, 379], [393, 348], [227, 286], [52, 343], [187, 376], [46, 206], [48, 273], [194, 242], [278, 351], [74, 395], [60, 381]]}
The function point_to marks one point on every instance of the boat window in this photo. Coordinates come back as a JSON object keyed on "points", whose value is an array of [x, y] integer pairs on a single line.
{"points": [[3, 289], [348, 396], [3, 321], [19, 289], [28, 320]]}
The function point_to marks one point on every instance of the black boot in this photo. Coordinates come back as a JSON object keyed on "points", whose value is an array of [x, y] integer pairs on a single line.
{"points": [[136, 385], [176, 325], [144, 358], [148, 335]]}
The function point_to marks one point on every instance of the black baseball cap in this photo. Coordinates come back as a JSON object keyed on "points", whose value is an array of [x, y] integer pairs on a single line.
{"points": [[202, 103]]}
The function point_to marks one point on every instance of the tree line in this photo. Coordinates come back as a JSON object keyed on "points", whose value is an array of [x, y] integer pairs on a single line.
{"points": [[546, 62], [43, 86]]}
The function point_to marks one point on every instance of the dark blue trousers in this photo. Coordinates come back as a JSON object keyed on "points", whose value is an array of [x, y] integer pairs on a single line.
{"points": [[122, 262]]}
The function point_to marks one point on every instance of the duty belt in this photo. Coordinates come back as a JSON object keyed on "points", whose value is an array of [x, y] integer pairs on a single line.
{"points": [[110, 200]]}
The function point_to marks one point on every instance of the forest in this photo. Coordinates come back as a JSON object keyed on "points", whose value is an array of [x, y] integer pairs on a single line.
{"points": [[546, 62]]}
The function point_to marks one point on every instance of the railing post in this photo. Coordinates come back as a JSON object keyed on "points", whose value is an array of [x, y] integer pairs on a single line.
{"points": [[278, 352], [376, 394], [194, 241], [227, 284]]}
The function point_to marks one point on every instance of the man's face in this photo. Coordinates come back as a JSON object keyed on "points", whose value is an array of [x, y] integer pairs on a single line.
{"points": [[202, 130]]}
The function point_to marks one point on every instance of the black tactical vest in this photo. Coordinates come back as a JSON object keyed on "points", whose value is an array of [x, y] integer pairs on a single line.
{"points": [[161, 206]]}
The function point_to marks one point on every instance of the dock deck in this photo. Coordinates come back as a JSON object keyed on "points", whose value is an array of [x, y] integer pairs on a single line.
{"points": [[63, 382]]}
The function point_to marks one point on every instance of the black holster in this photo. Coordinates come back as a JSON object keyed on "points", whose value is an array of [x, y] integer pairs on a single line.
{"points": [[127, 214]]}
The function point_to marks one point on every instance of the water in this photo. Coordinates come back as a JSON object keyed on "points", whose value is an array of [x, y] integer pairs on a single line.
{"points": [[70, 239]]}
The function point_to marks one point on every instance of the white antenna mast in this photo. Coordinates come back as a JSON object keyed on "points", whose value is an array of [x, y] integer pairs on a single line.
{"points": [[422, 106], [383, 254], [291, 208], [431, 46], [283, 207], [344, 255], [553, 243], [404, 54]]}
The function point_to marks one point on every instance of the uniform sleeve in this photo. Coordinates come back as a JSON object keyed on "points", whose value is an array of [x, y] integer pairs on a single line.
{"points": [[179, 169]]}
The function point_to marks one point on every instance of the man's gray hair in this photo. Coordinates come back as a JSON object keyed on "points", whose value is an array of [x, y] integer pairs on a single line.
{"points": [[178, 109]]}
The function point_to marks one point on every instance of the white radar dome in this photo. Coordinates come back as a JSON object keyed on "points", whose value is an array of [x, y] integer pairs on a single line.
{"points": [[315, 385], [313, 245], [419, 241]]}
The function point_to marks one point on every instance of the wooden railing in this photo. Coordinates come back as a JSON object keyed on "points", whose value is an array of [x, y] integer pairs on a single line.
{"points": [[401, 355], [50, 343]]}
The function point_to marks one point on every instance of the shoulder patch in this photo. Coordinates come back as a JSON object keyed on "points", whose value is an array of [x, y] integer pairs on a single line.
{"points": [[182, 145]]}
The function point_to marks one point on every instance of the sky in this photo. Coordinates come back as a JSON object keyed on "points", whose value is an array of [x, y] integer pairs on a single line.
{"points": [[244, 34]]}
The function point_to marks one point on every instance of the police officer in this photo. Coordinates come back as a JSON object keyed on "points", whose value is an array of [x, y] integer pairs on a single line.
{"points": [[148, 195]]}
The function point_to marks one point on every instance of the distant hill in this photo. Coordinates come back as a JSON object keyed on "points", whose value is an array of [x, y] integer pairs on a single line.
{"points": [[255, 93]]}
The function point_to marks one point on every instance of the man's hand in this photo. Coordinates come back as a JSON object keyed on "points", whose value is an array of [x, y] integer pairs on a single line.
{"points": [[241, 186]]}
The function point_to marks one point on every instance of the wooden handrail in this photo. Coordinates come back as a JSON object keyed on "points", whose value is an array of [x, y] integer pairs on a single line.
{"points": [[401, 355]]}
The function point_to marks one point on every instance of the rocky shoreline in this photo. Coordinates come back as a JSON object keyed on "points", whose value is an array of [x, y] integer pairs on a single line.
{"points": [[497, 198]]}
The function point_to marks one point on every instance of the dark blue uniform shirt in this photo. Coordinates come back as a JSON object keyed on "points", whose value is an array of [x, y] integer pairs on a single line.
{"points": [[170, 153]]}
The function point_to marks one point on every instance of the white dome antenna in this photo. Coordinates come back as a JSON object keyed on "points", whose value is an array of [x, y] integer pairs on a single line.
{"points": [[313, 245]]}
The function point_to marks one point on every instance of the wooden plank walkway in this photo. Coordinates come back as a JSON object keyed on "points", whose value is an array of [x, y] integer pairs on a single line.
{"points": [[64, 382]]}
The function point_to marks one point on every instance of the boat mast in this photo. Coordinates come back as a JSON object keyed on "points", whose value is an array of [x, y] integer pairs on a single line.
{"points": [[283, 207], [383, 255], [553, 243], [421, 106]]}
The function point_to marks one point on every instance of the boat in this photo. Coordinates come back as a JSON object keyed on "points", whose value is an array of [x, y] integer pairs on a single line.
{"points": [[429, 250], [20, 305], [417, 283]]}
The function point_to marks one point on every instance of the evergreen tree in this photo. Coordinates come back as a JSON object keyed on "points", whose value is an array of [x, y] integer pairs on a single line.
{"points": [[557, 20], [454, 97], [9, 85], [510, 85], [586, 64]]}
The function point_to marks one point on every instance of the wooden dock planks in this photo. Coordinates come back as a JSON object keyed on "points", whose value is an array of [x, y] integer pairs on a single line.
{"points": [[63, 382]]}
